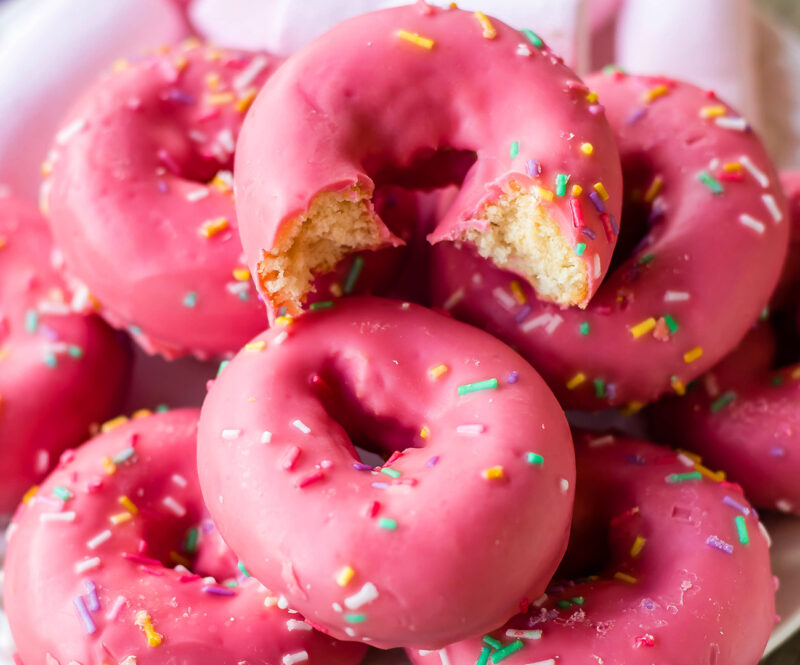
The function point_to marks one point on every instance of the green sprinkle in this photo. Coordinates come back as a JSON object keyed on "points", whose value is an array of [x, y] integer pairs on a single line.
{"points": [[75, 351], [392, 473], [683, 477], [708, 180], [584, 328], [324, 304], [352, 277], [495, 644], [484, 657], [514, 151], [741, 529], [561, 184], [244, 295], [135, 330], [355, 618], [580, 248], [612, 69], [722, 401], [777, 380], [578, 600], [231, 584], [599, 388], [222, 366], [50, 359], [764, 313], [532, 37], [646, 258], [190, 543], [672, 324], [31, 321], [62, 493], [488, 384], [242, 569], [564, 603], [507, 650], [386, 523], [535, 458], [190, 299], [161, 408]]}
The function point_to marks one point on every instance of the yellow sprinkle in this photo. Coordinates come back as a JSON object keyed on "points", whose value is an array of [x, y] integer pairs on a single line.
{"points": [[489, 31], [631, 408], [654, 189], [638, 546], [592, 98], [493, 473], [437, 371], [587, 148], [46, 168], [141, 413], [179, 560], [144, 622], [643, 327], [519, 293], [26, 499], [212, 80], [544, 194], [221, 184], [284, 320], [577, 190], [258, 345], [128, 505], [414, 38], [678, 386], [109, 467], [241, 274], [425, 432], [692, 355], [245, 100], [120, 518], [601, 190], [344, 576], [716, 476], [212, 227], [576, 380], [655, 93], [732, 167], [113, 424], [624, 577], [712, 111], [181, 63], [220, 99], [119, 65]]}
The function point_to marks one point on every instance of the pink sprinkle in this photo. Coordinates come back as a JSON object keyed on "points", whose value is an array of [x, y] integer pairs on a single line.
{"points": [[138, 558], [115, 608], [577, 214], [311, 478], [290, 458], [373, 508], [645, 640]]}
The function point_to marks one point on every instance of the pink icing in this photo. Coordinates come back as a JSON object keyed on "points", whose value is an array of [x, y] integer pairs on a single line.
{"points": [[678, 585], [73, 547], [707, 260], [61, 372], [466, 520], [786, 294], [327, 124]]}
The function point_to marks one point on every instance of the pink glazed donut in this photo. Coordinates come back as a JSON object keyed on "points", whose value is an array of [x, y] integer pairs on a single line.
{"points": [[428, 97], [466, 520], [686, 576], [703, 238], [114, 561], [61, 372]]}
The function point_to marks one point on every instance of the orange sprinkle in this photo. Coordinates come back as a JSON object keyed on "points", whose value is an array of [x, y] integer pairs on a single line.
{"points": [[587, 148], [120, 518], [26, 499], [493, 473], [425, 432], [654, 189], [181, 63], [601, 191], [258, 345], [519, 293], [190, 44], [489, 31], [632, 407], [345, 576], [732, 167], [692, 355], [655, 93], [437, 371], [144, 622], [128, 505], [544, 194], [220, 99], [624, 577], [141, 413], [678, 386], [212, 80], [284, 320], [244, 102], [795, 373], [113, 424], [179, 560], [46, 168], [212, 227], [592, 97], [109, 467], [576, 380]]}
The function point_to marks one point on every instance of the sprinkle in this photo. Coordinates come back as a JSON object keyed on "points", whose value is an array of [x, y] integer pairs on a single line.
{"points": [[587, 148], [487, 384], [544, 194], [737, 124], [414, 38], [759, 175], [624, 577], [577, 190], [386, 523], [324, 304], [173, 506], [128, 505], [483, 658], [425, 432], [654, 189], [62, 493], [532, 37], [506, 651], [489, 31], [241, 274], [752, 223], [299, 424], [601, 191], [524, 634], [83, 614], [577, 214], [99, 539], [692, 355], [733, 503], [31, 321], [72, 129], [523, 50], [231, 434], [718, 543], [492, 642], [676, 296], [190, 299], [584, 328], [561, 184], [772, 207], [493, 473], [576, 380], [722, 401], [741, 530], [533, 167], [124, 455], [216, 590], [365, 595], [352, 276], [504, 298], [144, 622], [437, 371], [91, 592], [345, 576], [709, 181], [113, 612], [654, 93], [643, 327], [638, 546], [712, 111], [249, 74], [258, 345], [597, 200], [87, 564], [212, 227], [672, 324], [683, 477], [68, 516], [580, 248], [120, 518], [294, 624], [355, 618], [534, 458], [519, 292]]}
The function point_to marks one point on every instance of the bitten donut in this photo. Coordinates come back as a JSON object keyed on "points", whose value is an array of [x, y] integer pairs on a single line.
{"points": [[427, 97], [686, 575], [704, 234], [466, 520], [114, 560], [61, 372], [743, 417]]}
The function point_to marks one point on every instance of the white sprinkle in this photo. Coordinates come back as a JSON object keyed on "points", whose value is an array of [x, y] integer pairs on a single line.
{"points": [[337, 608], [197, 195], [170, 504], [601, 441], [66, 133], [504, 298], [179, 480], [471, 430], [42, 461], [197, 136], [55, 308], [226, 140], [564, 483], [250, 73], [266, 437], [297, 657], [294, 624], [784, 506], [549, 661], [99, 539], [350, 632], [225, 176], [280, 338], [367, 594], [676, 296], [536, 322], [231, 434], [523, 50], [597, 266], [540, 601], [752, 223], [556, 321], [444, 657], [236, 288], [765, 533], [81, 299], [772, 207], [711, 385], [738, 124], [425, 652], [87, 564], [270, 601], [684, 459], [113, 611], [283, 603], [524, 634], [128, 660], [455, 298], [760, 176], [68, 516], [299, 424]]}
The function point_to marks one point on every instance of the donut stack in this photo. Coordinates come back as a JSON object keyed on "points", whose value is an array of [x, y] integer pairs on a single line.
{"points": [[413, 244]]}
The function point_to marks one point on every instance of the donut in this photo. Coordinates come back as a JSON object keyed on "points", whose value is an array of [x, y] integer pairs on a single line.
{"points": [[114, 560], [466, 519], [786, 293], [743, 417], [703, 238], [685, 571], [61, 372], [426, 97]]}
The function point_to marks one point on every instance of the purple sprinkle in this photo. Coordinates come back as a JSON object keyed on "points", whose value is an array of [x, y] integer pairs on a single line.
{"points": [[598, 202], [162, 187], [719, 544], [380, 486], [48, 332], [648, 604], [360, 466], [533, 167], [611, 390], [218, 590], [91, 594], [520, 317], [777, 451], [432, 461], [636, 459], [84, 615], [208, 526], [588, 233], [513, 377], [636, 115], [180, 96], [733, 503], [614, 225]]}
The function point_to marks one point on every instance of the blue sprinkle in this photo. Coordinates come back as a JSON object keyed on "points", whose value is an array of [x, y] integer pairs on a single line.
{"points": [[49, 359], [380, 486], [432, 461], [190, 299]]}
